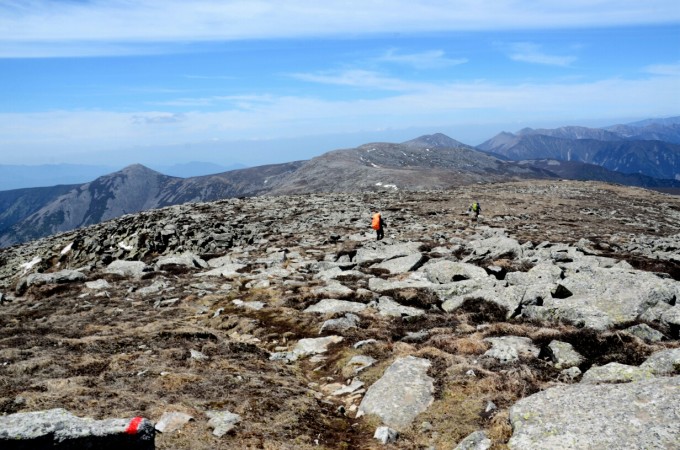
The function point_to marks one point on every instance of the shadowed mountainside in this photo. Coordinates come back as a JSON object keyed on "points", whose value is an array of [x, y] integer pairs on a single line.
{"points": [[135, 188]]}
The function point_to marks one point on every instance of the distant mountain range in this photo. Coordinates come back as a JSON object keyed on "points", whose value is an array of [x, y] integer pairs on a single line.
{"points": [[647, 148], [22, 176], [617, 154]]}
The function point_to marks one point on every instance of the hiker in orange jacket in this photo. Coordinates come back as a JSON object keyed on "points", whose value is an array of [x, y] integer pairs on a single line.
{"points": [[377, 223]]}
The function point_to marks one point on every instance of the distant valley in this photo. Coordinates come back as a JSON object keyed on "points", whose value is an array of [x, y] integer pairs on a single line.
{"points": [[623, 154]]}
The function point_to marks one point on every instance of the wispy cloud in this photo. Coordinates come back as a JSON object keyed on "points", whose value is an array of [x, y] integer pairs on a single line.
{"points": [[157, 118], [664, 69], [432, 59], [533, 53], [364, 79], [34, 28]]}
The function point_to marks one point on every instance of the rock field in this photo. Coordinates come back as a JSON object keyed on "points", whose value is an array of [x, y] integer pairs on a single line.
{"points": [[281, 323]]}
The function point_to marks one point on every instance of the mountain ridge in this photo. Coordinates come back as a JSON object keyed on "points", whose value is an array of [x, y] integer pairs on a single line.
{"points": [[433, 161]]}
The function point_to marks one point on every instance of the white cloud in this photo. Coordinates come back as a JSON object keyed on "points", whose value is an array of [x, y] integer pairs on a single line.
{"points": [[664, 69], [364, 79], [59, 28], [268, 116], [532, 53], [425, 60]]}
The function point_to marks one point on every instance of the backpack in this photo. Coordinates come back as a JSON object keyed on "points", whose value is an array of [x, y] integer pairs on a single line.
{"points": [[475, 207], [375, 223]]}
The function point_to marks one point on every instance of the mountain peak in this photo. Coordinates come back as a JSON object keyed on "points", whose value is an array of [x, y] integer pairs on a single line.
{"points": [[134, 169], [437, 140]]}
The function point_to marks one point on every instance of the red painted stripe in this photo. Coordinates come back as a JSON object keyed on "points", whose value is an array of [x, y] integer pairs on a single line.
{"points": [[133, 427]]}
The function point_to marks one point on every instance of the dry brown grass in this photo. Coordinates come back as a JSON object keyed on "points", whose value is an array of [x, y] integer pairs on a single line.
{"points": [[468, 345]]}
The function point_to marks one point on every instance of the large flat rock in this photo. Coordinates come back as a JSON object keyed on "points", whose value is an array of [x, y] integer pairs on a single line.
{"points": [[404, 391], [643, 414], [58, 428]]}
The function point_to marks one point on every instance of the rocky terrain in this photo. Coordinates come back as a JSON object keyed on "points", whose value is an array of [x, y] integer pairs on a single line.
{"points": [[28, 214], [278, 322], [429, 162]]}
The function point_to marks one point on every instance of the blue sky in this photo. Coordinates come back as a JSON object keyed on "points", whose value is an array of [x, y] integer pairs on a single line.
{"points": [[170, 81]]}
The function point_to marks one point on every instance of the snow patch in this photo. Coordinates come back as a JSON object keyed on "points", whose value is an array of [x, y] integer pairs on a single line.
{"points": [[389, 186], [29, 265], [67, 249]]}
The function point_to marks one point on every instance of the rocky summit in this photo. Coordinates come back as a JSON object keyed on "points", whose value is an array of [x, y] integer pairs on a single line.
{"points": [[280, 322]]}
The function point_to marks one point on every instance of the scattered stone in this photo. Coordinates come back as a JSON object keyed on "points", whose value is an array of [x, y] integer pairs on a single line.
{"points": [[153, 288], [360, 362], [640, 414], [198, 356], [134, 269], [445, 271], [364, 342], [645, 332], [330, 305], [39, 279], [671, 318], [404, 391], [166, 303], [333, 289], [401, 265], [204, 286], [368, 256], [571, 373], [225, 271], [188, 260], [354, 386], [97, 284], [475, 441], [495, 248], [388, 307], [664, 362], [508, 349], [172, 421], [306, 347], [222, 422], [341, 324], [564, 355], [416, 336], [414, 281], [615, 373], [605, 297], [255, 306], [220, 261], [386, 435]]}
